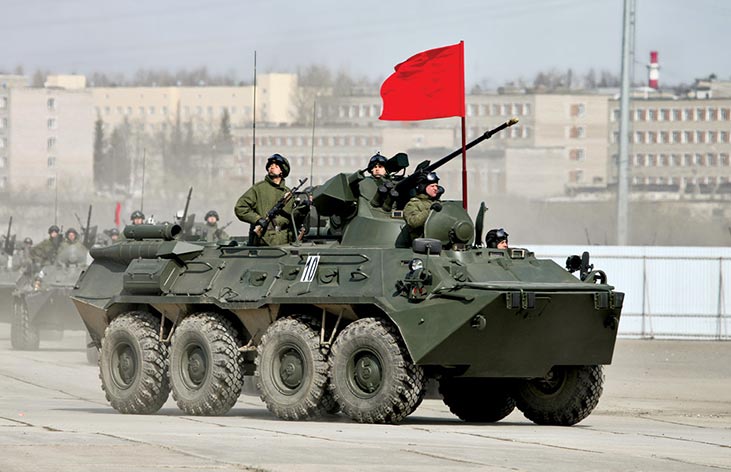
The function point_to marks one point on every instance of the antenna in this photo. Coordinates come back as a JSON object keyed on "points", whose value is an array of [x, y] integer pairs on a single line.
{"points": [[142, 198], [253, 131], [312, 151]]}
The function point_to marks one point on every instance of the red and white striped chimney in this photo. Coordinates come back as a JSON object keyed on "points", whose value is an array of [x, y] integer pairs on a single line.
{"points": [[653, 71]]}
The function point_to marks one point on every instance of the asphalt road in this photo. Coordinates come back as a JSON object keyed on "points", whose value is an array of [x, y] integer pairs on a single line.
{"points": [[666, 407]]}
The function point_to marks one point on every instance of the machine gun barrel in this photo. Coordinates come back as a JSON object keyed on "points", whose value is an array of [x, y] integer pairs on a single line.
{"points": [[167, 232], [425, 167], [87, 236], [9, 243]]}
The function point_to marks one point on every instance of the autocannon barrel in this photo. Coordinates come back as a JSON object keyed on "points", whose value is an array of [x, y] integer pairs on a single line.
{"points": [[167, 232]]}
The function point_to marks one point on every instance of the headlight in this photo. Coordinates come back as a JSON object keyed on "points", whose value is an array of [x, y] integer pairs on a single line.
{"points": [[416, 264]]}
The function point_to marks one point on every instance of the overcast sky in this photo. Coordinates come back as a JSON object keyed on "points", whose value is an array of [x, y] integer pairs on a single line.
{"points": [[503, 39]]}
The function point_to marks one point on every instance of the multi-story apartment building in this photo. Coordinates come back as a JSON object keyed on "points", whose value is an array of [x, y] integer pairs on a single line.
{"points": [[679, 147], [46, 140]]}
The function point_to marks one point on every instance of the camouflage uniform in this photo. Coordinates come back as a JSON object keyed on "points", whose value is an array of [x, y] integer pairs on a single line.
{"points": [[257, 201], [210, 233], [416, 212], [46, 251]]}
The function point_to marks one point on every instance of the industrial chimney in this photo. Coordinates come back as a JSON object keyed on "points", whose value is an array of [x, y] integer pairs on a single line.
{"points": [[653, 71]]}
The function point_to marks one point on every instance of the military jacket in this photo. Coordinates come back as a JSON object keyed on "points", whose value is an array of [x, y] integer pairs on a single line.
{"points": [[416, 212], [46, 251], [211, 233], [257, 201]]}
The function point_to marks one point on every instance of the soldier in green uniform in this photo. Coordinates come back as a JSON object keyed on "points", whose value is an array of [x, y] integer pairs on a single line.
{"points": [[137, 218], [46, 251], [376, 188], [71, 237], [252, 206], [417, 209], [211, 231]]}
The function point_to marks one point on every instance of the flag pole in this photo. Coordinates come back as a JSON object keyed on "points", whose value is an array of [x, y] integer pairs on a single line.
{"points": [[464, 165]]}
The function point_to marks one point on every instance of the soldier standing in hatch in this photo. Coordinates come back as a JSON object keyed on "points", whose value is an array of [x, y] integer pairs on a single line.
{"points": [[46, 251], [496, 238], [252, 206], [211, 232], [417, 209], [137, 218], [72, 237], [377, 187]]}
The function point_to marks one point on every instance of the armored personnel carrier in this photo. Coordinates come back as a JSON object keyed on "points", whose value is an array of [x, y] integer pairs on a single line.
{"points": [[355, 320], [41, 302]]}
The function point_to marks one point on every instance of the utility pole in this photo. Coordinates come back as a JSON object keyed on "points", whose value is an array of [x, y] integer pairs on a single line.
{"points": [[623, 161]]}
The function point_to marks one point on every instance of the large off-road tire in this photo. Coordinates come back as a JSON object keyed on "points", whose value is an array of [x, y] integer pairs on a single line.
{"points": [[92, 353], [23, 335], [477, 400], [206, 375], [133, 364], [291, 370], [567, 395], [372, 376]]}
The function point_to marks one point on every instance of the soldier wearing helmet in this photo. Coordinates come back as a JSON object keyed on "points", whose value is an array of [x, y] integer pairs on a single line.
{"points": [[113, 234], [497, 238], [252, 206], [417, 209], [211, 231], [46, 251], [137, 217]]}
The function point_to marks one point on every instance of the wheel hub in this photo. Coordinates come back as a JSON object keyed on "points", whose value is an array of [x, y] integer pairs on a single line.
{"points": [[291, 369], [367, 373], [196, 365], [126, 365]]}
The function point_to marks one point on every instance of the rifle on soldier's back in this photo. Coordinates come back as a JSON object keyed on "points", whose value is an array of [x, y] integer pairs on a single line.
{"points": [[257, 230]]}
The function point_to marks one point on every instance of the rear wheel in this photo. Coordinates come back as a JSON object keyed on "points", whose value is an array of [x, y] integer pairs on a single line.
{"points": [[133, 364], [477, 400], [567, 395], [372, 376], [205, 371], [291, 370], [23, 335]]}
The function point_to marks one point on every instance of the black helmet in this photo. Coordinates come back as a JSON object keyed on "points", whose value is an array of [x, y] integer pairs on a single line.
{"points": [[281, 161], [28, 241], [53, 228], [137, 214], [426, 180], [71, 230], [211, 213], [113, 232], [376, 159], [494, 236]]}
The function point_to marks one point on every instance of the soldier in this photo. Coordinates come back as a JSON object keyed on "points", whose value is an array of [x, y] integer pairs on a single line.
{"points": [[496, 238], [137, 217], [376, 188], [72, 236], [211, 231], [427, 198], [46, 252], [113, 235], [252, 206]]}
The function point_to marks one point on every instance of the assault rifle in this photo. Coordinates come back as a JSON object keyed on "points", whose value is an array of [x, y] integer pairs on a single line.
{"points": [[88, 232], [259, 228], [405, 186], [9, 244]]}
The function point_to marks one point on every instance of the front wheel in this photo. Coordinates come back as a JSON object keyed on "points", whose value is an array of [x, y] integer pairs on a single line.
{"points": [[565, 396], [133, 364], [205, 372], [23, 335], [372, 376]]}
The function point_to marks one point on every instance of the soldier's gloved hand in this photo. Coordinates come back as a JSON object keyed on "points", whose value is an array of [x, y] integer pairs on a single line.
{"points": [[262, 222], [436, 206]]}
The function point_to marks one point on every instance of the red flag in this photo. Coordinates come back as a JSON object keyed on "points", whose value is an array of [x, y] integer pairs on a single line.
{"points": [[117, 211], [426, 86]]}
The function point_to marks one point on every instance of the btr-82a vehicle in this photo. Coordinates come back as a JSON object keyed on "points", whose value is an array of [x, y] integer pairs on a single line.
{"points": [[356, 322]]}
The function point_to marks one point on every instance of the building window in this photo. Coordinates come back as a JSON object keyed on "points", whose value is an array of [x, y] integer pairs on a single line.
{"points": [[151, 110], [725, 114], [51, 161], [577, 154], [675, 160], [723, 160], [676, 137], [687, 114], [51, 143], [107, 110], [3, 102], [688, 137], [51, 104], [677, 114], [639, 137], [52, 123], [711, 160], [575, 175], [526, 109], [639, 160], [651, 137], [712, 137], [664, 114], [3, 123], [578, 110], [651, 160], [3, 143], [51, 182], [577, 132], [687, 160], [141, 110], [652, 115], [640, 114], [615, 114], [664, 137], [723, 137], [3, 161], [700, 114], [700, 137]]}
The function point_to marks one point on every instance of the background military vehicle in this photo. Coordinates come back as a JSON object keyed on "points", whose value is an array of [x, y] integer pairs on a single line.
{"points": [[351, 321]]}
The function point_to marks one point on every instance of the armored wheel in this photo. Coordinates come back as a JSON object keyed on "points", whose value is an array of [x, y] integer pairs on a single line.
{"points": [[372, 376], [477, 400], [205, 369], [133, 364], [23, 335], [291, 370], [567, 395]]}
